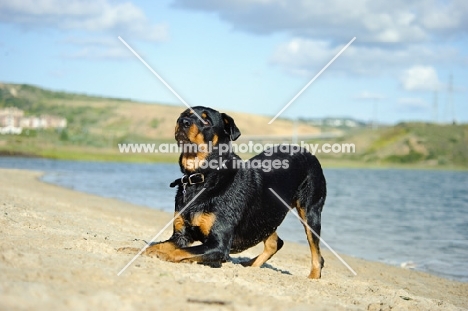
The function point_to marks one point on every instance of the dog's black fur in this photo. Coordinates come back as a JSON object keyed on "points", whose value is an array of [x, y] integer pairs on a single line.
{"points": [[237, 210]]}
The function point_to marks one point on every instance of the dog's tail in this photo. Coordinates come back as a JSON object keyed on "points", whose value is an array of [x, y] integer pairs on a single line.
{"points": [[313, 190]]}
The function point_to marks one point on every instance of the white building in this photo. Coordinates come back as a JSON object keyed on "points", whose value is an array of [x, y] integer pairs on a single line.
{"points": [[12, 121]]}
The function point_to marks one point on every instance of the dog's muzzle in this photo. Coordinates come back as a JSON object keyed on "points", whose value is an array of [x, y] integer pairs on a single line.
{"points": [[184, 124]]}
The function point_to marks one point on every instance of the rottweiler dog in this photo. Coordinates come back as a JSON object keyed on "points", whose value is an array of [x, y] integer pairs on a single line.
{"points": [[226, 203]]}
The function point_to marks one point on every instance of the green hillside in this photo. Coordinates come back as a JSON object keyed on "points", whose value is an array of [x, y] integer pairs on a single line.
{"points": [[95, 125], [419, 145]]}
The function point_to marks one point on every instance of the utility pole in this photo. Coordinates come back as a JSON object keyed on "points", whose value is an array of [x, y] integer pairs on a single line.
{"points": [[450, 99]]}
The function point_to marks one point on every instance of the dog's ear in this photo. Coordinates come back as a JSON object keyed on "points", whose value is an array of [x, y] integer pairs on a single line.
{"points": [[230, 127]]}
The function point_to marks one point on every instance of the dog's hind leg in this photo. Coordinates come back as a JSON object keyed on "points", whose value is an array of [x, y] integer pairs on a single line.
{"points": [[272, 244], [312, 218]]}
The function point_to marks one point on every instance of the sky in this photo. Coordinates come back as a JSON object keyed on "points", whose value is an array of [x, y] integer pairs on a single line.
{"points": [[249, 55]]}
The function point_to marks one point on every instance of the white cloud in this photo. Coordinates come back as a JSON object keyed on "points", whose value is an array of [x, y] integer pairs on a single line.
{"points": [[420, 78], [397, 21], [98, 16], [446, 17], [391, 35], [309, 56]]}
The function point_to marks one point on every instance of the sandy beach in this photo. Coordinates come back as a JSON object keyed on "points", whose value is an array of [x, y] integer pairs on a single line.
{"points": [[58, 251]]}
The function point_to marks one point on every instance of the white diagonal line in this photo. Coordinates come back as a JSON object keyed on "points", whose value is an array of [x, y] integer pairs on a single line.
{"points": [[160, 78], [318, 236], [310, 82], [160, 232]]}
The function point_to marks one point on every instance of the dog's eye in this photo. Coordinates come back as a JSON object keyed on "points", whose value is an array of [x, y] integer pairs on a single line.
{"points": [[207, 122]]}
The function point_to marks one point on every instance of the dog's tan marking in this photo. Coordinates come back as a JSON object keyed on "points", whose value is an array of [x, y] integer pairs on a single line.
{"points": [[196, 137], [270, 248], [179, 224], [204, 115], [164, 247], [193, 160], [316, 271], [168, 251], [204, 221], [215, 139], [183, 255], [199, 139], [192, 133]]}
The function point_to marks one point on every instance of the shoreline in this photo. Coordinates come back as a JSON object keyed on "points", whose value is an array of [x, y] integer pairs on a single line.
{"points": [[58, 251]]}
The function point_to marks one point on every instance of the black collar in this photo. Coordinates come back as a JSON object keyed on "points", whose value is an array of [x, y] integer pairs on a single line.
{"points": [[192, 179]]}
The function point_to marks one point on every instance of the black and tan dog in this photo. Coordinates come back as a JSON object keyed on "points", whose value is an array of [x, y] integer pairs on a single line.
{"points": [[237, 210]]}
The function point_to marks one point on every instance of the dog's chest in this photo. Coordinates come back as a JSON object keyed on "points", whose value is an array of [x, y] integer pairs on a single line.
{"points": [[199, 225]]}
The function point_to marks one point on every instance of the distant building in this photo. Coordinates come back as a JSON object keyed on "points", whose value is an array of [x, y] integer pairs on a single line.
{"points": [[10, 130], [336, 122], [12, 121]]}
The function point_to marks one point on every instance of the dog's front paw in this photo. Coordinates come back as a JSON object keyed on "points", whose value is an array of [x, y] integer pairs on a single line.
{"points": [[164, 251]]}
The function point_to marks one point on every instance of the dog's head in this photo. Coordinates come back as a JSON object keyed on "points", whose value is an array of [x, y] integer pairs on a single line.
{"points": [[215, 128]]}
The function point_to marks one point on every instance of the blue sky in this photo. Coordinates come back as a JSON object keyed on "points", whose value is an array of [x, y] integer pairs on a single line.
{"points": [[248, 55]]}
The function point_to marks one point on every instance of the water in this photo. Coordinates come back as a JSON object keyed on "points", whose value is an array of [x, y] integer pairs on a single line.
{"points": [[392, 216]]}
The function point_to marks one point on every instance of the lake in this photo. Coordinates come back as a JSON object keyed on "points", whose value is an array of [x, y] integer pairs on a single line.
{"points": [[389, 215]]}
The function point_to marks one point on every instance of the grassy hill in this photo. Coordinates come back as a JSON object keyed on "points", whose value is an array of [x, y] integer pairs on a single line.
{"points": [[411, 145], [96, 125]]}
